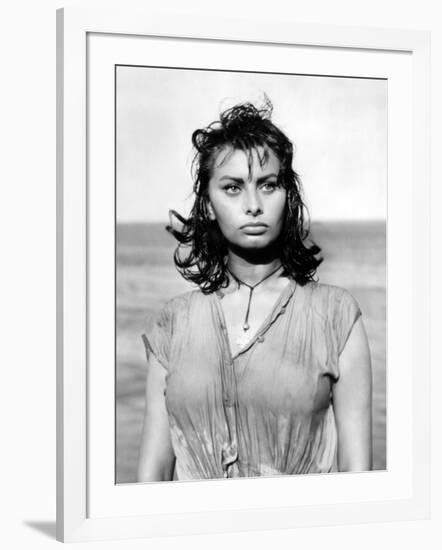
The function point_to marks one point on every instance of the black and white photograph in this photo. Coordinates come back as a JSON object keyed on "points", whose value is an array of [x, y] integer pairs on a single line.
{"points": [[221, 305], [250, 258]]}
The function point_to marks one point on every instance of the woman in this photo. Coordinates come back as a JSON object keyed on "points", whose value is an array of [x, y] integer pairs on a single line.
{"points": [[261, 370]]}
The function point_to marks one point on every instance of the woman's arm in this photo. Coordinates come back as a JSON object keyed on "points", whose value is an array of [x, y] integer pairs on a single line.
{"points": [[157, 458], [352, 400]]}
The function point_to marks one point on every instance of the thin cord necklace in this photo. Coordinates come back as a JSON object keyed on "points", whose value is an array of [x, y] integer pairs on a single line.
{"points": [[251, 288]]}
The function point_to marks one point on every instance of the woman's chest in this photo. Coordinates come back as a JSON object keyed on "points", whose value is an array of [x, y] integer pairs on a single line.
{"points": [[283, 377], [283, 369]]}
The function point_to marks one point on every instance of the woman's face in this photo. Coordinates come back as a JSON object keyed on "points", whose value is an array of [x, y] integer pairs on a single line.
{"points": [[249, 206]]}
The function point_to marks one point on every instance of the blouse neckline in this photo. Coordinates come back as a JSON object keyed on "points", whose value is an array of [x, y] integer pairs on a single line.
{"points": [[278, 308]]}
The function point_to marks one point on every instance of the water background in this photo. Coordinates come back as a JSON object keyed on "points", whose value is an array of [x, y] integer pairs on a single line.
{"points": [[354, 258]]}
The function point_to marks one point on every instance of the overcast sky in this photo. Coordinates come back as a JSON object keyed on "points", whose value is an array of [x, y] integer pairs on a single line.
{"points": [[338, 127]]}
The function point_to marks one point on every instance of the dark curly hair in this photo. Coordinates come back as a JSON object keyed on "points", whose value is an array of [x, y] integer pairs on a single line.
{"points": [[201, 255]]}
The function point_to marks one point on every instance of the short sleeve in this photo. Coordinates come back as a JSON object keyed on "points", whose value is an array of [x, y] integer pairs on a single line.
{"points": [[347, 312], [157, 336]]}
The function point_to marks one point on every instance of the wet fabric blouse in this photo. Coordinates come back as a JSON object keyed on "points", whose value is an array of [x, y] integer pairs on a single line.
{"points": [[265, 410]]}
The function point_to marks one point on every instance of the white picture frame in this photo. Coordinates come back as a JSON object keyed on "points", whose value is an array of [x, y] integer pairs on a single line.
{"points": [[89, 505]]}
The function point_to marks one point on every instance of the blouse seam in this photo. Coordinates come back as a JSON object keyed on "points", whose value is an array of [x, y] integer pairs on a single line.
{"points": [[347, 336], [150, 349]]}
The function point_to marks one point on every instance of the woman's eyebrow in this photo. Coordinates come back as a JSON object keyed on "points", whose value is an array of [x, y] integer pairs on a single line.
{"points": [[232, 178], [267, 176], [241, 180]]}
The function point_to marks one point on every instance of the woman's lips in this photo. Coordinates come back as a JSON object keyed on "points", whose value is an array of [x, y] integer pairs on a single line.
{"points": [[254, 228]]}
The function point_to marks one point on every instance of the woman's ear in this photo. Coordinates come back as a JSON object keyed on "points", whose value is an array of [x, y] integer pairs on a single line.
{"points": [[210, 210]]}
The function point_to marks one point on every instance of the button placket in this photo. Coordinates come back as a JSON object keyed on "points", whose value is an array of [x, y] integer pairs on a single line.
{"points": [[229, 381], [228, 388]]}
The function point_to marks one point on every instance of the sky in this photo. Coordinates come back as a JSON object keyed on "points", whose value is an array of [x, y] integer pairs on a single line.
{"points": [[338, 127]]}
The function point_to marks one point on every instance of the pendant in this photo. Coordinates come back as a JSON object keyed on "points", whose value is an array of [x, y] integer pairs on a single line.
{"points": [[251, 288], [241, 340]]}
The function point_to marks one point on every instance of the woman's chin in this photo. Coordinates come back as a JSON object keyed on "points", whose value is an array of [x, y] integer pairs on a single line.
{"points": [[254, 245]]}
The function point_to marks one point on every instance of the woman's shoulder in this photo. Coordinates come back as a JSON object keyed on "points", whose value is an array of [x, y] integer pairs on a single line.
{"points": [[328, 300], [318, 290], [182, 302]]}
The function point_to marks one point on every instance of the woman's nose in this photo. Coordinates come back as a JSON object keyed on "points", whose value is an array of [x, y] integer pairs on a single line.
{"points": [[253, 204]]}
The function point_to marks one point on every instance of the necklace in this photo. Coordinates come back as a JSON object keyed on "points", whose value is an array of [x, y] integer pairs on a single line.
{"points": [[251, 288]]}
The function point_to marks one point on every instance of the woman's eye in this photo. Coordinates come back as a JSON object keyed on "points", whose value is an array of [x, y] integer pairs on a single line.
{"points": [[270, 186], [231, 189]]}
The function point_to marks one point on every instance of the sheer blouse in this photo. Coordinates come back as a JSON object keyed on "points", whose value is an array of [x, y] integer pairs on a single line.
{"points": [[265, 410]]}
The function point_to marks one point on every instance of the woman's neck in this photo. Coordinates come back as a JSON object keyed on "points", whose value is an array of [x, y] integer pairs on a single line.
{"points": [[251, 269]]}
